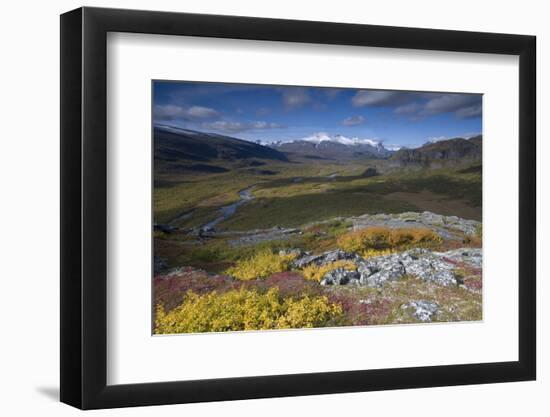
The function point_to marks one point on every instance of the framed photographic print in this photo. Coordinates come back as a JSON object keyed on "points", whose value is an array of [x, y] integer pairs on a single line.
{"points": [[257, 208]]}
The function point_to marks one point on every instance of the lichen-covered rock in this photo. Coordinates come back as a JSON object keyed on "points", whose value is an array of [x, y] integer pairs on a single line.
{"points": [[422, 310], [443, 225], [340, 276], [429, 267], [375, 272], [323, 258], [436, 267], [470, 256]]}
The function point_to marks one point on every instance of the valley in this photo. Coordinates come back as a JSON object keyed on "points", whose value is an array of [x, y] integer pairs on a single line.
{"points": [[232, 215], [290, 189]]}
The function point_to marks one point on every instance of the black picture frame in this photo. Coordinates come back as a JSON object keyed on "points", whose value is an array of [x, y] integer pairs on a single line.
{"points": [[84, 207]]}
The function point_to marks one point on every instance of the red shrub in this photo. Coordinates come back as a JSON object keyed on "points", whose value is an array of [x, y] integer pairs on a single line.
{"points": [[170, 288], [361, 312], [289, 284]]}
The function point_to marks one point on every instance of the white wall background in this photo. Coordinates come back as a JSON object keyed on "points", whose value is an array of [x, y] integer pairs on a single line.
{"points": [[29, 176]]}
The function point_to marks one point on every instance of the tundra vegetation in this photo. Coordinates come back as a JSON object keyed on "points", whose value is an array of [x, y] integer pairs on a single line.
{"points": [[317, 243]]}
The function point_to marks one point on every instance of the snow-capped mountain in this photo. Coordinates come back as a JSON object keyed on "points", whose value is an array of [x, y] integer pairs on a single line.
{"points": [[326, 146], [324, 137], [393, 148]]}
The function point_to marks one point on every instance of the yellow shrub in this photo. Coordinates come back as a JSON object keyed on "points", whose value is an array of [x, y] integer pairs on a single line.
{"points": [[383, 238], [373, 237], [244, 310], [369, 253], [404, 237], [317, 272], [260, 265], [308, 312]]}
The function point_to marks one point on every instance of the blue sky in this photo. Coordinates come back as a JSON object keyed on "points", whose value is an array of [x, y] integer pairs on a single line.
{"points": [[281, 113]]}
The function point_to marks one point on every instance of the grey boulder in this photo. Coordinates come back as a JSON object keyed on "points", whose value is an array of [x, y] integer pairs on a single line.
{"points": [[323, 258], [436, 267], [422, 310], [340, 276]]}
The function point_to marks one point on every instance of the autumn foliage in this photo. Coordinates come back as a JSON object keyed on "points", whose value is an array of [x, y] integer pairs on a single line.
{"points": [[245, 310], [260, 265], [384, 239]]}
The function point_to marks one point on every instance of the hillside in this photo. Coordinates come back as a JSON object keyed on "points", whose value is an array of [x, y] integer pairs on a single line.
{"points": [[445, 152], [179, 150], [362, 270]]}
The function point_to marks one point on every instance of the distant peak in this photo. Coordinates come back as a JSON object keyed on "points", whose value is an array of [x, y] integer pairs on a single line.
{"points": [[344, 140]]}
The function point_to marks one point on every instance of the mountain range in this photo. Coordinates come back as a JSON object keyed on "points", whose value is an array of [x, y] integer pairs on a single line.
{"points": [[177, 149], [334, 147]]}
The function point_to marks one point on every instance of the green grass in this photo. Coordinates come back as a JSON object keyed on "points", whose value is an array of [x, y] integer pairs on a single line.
{"points": [[286, 203], [214, 255], [299, 209], [449, 183], [206, 193], [282, 200]]}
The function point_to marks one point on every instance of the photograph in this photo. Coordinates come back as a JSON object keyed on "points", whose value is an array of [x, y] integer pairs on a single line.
{"points": [[292, 207], [266, 209]]}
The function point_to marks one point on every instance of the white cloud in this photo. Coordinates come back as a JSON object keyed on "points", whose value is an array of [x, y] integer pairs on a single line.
{"points": [[471, 111], [410, 108], [462, 105], [237, 127], [418, 105], [173, 112], [199, 112], [446, 102], [295, 97], [376, 98], [353, 121]]}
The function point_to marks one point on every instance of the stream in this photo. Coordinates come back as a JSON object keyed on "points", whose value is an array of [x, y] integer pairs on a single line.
{"points": [[229, 210]]}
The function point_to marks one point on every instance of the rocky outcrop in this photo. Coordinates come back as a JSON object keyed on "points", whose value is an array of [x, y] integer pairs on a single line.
{"points": [[341, 276], [421, 309], [470, 256], [323, 258], [375, 272], [436, 267], [445, 226]]}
